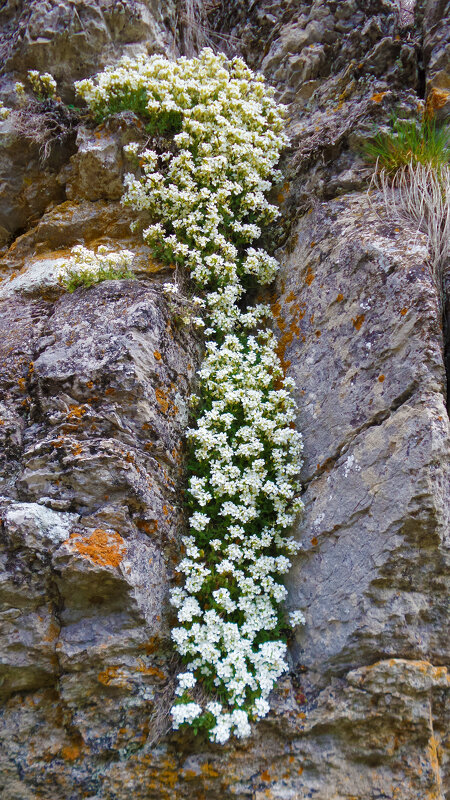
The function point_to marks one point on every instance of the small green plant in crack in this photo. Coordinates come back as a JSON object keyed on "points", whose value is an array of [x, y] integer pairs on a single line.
{"points": [[410, 141], [86, 267]]}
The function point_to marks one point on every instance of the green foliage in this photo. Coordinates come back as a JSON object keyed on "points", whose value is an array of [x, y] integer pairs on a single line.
{"points": [[410, 141]]}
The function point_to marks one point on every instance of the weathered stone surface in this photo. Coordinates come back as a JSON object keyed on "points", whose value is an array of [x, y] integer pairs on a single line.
{"points": [[71, 41], [93, 407], [86, 549], [436, 14], [361, 335], [74, 40], [28, 189]]}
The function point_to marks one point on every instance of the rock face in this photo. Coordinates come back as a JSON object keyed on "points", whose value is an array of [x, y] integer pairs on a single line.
{"points": [[94, 390]]}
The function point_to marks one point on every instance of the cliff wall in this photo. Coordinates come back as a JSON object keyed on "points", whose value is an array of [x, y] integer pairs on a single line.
{"points": [[94, 390]]}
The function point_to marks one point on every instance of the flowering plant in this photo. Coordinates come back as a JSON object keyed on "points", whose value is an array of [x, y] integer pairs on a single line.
{"points": [[42, 84], [86, 267], [207, 201]]}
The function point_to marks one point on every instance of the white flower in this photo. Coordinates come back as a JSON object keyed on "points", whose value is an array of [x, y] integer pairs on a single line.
{"points": [[296, 618], [19, 89], [198, 521], [186, 680], [170, 288], [262, 707], [189, 609], [43, 84], [85, 266], [184, 712]]}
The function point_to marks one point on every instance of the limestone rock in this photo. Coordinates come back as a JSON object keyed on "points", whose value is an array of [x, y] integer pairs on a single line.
{"points": [[436, 14], [28, 189], [72, 41], [94, 390]]}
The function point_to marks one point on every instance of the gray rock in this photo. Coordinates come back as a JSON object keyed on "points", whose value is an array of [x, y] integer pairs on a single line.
{"points": [[94, 390], [97, 167]]}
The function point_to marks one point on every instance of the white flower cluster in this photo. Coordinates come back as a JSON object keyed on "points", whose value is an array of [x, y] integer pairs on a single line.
{"points": [[210, 195], [19, 89], [87, 267], [42, 84], [207, 203]]}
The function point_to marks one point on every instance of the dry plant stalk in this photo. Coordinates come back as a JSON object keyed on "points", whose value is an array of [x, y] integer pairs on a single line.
{"points": [[197, 33], [420, 195]]}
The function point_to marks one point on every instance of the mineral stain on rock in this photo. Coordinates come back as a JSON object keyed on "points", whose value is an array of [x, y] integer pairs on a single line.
{"points": [[94, 392]]}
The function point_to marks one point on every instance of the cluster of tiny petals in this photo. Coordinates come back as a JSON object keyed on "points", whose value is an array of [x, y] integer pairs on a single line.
{"points": [[207, 202], [43, 84], [85, 261]]}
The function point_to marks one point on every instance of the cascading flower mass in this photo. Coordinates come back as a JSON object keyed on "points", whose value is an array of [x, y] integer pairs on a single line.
{"points": [[206, 197]]}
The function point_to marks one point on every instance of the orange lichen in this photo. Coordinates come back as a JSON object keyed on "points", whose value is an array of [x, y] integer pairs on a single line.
{"points": [[76, 412], [190, 775], [208, 771], [52, 632], [265, 776], [282, 195], [358, 321], [147, 526], [381, 378], [404, 311], [436, 99], [108, 675], [105, 548], [340, 297], [163, 400], [433, 753], [110, 390], [76, 449], [153, 671], [71, 751], [288, 333], [377, 97], [157, 355], [314, 541], [151, 645]]}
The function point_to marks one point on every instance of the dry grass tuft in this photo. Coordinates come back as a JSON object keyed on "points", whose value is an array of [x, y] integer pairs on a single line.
{"points": [[47, 124], [420, 195]]}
